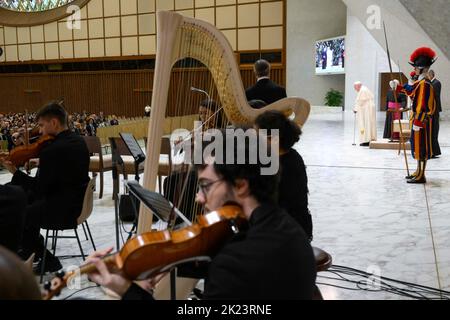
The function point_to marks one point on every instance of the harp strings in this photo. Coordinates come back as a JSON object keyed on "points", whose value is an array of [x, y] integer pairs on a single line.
{"points": [[202, 68]]}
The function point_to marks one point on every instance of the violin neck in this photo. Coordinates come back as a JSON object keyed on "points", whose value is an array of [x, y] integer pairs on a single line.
{"points": [[57, 284], [89, 268]]}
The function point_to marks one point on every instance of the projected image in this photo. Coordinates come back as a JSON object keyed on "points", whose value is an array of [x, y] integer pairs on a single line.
{"points": [[330, 56]]}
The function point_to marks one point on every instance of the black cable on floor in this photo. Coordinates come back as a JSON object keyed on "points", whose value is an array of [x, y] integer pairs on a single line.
{"points": [[384, 284]]}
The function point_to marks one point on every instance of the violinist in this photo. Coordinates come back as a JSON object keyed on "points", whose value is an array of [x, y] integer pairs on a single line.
{"points": [[272, 259], [56, 193]]}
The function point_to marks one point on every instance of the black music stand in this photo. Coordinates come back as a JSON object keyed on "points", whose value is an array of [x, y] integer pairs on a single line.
{"points": [[136, 152], [160, 206], [166, 212]]}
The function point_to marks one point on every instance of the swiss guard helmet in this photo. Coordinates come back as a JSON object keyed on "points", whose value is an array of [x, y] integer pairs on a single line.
{"points": [[423, 58]]}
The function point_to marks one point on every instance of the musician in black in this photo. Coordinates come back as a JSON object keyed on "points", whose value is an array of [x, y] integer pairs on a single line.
{"points": [[272, 259], [210, 115], [12, 208], [293, 188], [265, 89], [56, 193]]}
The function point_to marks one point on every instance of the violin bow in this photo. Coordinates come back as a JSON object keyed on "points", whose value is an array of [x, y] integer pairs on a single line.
{"points": [[402, 142]]}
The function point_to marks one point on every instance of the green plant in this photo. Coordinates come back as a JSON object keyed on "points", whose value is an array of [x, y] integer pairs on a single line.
{"points": [[334, 98]]}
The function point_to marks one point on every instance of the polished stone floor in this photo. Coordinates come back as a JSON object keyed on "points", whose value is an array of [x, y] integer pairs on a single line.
{"points": [[365, 215]]}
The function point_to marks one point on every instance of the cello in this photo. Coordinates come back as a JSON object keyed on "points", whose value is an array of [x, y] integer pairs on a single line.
{"points": [[147, 255]]}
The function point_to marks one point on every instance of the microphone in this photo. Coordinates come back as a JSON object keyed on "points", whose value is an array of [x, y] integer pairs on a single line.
{"points": [[201, 91]]}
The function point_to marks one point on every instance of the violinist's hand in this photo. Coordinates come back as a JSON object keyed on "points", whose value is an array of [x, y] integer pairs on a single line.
{"points": [[105, 277], [33, 163], [8, 166]]}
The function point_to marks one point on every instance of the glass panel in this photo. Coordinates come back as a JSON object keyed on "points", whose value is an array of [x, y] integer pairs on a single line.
{"points": [[32, 5]]}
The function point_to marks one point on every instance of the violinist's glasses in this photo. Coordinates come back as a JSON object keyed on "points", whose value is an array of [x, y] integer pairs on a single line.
{"points": [[205, 187]]}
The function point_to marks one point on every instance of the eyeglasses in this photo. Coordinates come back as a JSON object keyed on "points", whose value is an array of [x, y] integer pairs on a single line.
{"points": [[205, 187]]}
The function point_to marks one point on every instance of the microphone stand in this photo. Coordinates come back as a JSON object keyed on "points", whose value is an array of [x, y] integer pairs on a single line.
{"points": [[202, 91]]}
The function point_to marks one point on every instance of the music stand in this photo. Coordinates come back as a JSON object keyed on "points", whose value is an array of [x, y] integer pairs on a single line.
{"points": [[135, 150], [162, 208], [166, 212], [138, 155]]}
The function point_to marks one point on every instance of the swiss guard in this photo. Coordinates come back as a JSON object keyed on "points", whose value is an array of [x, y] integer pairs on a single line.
{"points": [[422, 94]]}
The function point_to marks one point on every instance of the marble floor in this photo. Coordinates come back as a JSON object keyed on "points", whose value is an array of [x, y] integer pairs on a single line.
{"points": [[365, 215]]}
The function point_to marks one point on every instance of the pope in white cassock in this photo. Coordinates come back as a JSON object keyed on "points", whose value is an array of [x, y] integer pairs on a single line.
{"points": [[367, 119]]}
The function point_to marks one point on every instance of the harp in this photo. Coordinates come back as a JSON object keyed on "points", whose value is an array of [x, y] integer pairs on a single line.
{"points": [[179, 38]]}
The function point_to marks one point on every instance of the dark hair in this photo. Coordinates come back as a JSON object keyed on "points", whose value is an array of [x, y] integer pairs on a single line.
{"points": [[262, 68], [213, 106], [17, 282], [53, 110], [257, 104], [209, 104], [290, 132], [262, 187]]}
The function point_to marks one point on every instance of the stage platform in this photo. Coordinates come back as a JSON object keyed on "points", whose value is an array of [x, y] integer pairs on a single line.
{"points": [[386, 145]]}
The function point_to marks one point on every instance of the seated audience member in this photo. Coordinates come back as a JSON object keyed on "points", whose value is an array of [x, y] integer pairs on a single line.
{"points": [[114, 121]]}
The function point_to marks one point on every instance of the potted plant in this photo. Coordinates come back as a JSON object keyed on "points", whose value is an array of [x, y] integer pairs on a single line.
{"points": [[334, 98]]}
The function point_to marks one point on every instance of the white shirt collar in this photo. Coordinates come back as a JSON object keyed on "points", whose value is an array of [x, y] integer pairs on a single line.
{"points": [[262, 78], [422, 76]]}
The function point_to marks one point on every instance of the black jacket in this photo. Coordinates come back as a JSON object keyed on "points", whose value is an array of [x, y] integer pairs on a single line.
{"points": [[267, 91], [12, 206], [437, 93], [271, 260], [293, 190], [61, 181]]}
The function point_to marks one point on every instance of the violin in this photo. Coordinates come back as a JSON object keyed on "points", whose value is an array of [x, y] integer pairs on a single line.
{"points": [[148, 254], [22, 154]]}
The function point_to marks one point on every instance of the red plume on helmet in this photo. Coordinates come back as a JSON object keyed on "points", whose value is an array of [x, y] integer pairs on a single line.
{"points": [[423, 57]]}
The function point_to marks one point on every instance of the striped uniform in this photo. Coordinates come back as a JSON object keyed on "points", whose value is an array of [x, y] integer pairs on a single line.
{"points": [[423, 108]]}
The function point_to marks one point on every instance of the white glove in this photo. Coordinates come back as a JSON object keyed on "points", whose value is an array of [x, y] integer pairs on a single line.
{"points": [[394, 84], [416, 128]]}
